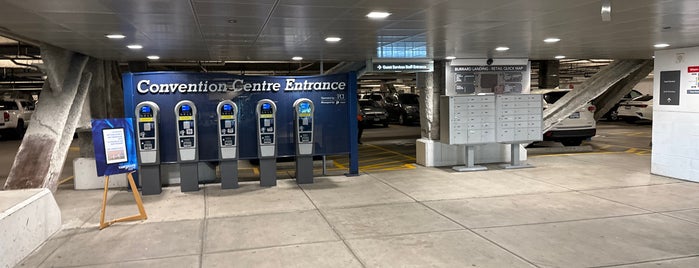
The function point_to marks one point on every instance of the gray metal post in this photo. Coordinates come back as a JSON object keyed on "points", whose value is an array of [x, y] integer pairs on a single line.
{"points": [[189, 177], [268, 172], [304, 169], [515, 163], [149, 177], [229, 174], [470, 161]]}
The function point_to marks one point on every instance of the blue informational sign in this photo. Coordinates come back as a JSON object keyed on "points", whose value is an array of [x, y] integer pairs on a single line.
{"points": [[333, 96], [115, 147]]}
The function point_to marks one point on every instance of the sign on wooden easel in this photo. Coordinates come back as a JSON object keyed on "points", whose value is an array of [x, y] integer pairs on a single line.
{"points": [[115, 153]]}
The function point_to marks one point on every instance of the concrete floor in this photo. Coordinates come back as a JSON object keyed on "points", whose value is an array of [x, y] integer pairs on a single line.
{"points": [[583, 210]]}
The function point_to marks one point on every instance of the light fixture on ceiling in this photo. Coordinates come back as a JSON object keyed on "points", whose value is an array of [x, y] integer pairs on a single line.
{"points": [[332, 39], [297, 58], [560, 57], [552, 40], [134, 46], [378, 15], [153, 57], [450, 58], [502, 48], [661, 45], [606, 10], [115, 36]]}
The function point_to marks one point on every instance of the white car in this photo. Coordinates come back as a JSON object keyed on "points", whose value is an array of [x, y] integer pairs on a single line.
{"points": [[16, 115], [578, 126], [638, 108]]}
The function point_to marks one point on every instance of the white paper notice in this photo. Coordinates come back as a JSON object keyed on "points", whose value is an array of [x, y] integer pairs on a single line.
{"points": [[114, 145]]}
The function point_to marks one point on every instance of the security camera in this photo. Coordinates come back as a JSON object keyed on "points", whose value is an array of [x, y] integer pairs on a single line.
{"points": [[489, 61]]}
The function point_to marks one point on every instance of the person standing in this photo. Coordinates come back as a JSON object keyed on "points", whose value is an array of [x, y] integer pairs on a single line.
{"points": [[360, 124]]}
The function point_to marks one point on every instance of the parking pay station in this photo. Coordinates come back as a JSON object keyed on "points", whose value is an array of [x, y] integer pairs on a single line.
{"points": [[187, 152], [303, 117], [267, 141], [148, 140], [227, 113]]}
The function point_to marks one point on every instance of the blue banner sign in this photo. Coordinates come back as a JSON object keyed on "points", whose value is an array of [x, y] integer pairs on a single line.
{"points": [[115, 150], [331, 95]]}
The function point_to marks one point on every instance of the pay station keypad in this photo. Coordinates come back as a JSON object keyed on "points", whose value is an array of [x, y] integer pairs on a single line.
{"points": [[227, 123], [146, 126]]}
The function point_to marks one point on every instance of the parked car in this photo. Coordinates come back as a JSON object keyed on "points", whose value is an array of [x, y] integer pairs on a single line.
{"points": [[403, 108], [377, 97], [578, 126], [638, 108], [373, 113], [16, 115], [613, 114]]}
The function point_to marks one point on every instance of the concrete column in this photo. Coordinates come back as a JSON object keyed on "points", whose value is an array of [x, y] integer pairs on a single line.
{"points": [[43, 151], [431, 86], [548, 73]]}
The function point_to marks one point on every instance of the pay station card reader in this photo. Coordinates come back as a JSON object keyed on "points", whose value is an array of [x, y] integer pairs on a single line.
{"points": [[148, 140], [227, 112], [267, 141], [303, 111], [187, 152]]}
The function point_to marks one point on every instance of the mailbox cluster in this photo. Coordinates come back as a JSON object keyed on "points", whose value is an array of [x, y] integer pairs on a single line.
{"points": [[147, 118]]}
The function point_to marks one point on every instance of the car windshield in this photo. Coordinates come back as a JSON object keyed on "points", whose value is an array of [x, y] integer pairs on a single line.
{"points": [[554, 96], [408, 99], [643, 98], [375, 97], [368, 103], [8, 105], [633, 94]]}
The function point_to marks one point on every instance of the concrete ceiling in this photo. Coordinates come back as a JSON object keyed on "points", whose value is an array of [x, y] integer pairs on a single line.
{"points": [[274, 30]]}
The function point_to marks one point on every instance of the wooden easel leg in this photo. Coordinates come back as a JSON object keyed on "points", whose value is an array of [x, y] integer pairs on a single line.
{"points": [[104, 203], [136, 195]]}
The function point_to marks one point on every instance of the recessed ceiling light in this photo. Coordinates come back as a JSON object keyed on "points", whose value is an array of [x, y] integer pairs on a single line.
{"points": [[153, 57], [135, 46], [297, 58], [378, 15], [663, 45], [115, 36], [502, 48], [552, 40], [332, 39], [450, 58], [560, 57]]}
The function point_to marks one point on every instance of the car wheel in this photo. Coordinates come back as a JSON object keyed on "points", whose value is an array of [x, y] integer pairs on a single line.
{"points": [[614, 115], [401, 120], [20, 130], [572, 142]]}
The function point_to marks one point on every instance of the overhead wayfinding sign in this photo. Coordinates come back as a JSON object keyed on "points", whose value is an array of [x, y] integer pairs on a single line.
{"points": [[401, 66]]}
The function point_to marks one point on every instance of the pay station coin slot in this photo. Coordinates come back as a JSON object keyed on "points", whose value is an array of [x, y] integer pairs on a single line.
{"points": [[148, 140], [303, 111], [266, 112], [187, 151], [227, 112]]}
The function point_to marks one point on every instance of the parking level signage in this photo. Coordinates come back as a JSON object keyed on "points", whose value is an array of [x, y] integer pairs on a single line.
{"points": [[670, 88], [402, 66]]}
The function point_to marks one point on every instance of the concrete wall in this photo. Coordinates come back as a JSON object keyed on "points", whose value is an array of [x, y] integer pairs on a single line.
{"points": [[676, 128]]}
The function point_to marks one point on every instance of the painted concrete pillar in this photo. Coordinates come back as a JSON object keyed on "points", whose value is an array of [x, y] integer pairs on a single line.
{"points": [[431, 85], [548, 73], [43, 151]]}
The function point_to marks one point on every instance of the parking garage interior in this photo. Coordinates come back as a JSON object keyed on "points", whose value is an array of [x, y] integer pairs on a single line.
{"points": [[403, 194]]}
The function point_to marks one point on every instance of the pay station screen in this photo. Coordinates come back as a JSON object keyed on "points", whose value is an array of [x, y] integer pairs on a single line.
{"points": [[227, 125], [186, 127], [145, 111], [146, 127], [304, 108], [185, 110], [266, 124]]}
